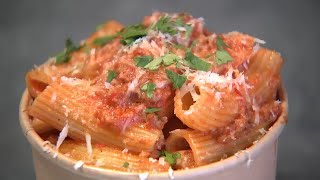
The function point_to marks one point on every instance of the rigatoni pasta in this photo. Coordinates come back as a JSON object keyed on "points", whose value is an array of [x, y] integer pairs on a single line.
{"points": [[165, 94]]}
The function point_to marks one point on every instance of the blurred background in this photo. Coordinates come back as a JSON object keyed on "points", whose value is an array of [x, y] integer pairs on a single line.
{"points": [[31, 31]]}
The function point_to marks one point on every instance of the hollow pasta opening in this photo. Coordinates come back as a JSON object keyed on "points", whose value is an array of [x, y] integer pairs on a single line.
{"points": [[188, 99], [38, 86]]}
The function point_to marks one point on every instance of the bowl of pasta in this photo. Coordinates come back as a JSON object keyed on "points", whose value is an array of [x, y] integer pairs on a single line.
{"points": [[161, 99]]}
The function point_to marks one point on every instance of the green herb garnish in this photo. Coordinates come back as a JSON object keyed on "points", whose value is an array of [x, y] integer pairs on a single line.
{"points": [[154, 65], [152, 110], [142, 61], [220, 43], [111, 75], [149, 88], [166, 25], [100, 41], [188, 27], [65, 56], [170, 58], [132, 33], [222, 56], [195, 62], [171, 158], [125, 165], [177, 79]]}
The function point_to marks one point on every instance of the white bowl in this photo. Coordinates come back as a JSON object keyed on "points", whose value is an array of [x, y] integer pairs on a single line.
{"points": [[257, 162]]}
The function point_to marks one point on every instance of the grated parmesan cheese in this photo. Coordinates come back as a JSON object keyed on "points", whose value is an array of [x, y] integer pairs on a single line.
{"points": [[143, 176], [107, 85], [66, 110], [78, 165], [161, 161], [53, 97], [124, 151], [256, 110], [71, 81], [262, 131], [88, 142], [249, 160], [272, 113], [152, 160], [188, 112], [260, 41], [45, 146], [217, 95], [99, 162], [62, 136], [170, 173], [278, 101], [134, 82], [93, 52]]}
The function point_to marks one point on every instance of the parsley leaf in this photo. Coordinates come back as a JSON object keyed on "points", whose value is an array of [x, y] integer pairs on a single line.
{"points": [[65, 56], [177, 79], [220, 43], [179, 21], [189, 30], [165, 25], [111, 75], [125, 165], [100, 41], [155, 64], [195, 62], [169, 59], [152, 110], [149, 88], [142, 61], [188, 27], [171, 158], [223, 57], [131, 33]]}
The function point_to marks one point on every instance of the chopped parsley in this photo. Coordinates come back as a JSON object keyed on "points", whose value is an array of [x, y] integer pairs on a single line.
{"points": [[142, 61], [125, 165], [166, 25], [170, 58], [152, 110], [166, 59], [132, 33], [149, 88], [111, 75], [222, 56], [100, 41], [65, 56], [154, 65], [188, 27], [171, 158], [220, 43], [195, 62], [177, 79]]}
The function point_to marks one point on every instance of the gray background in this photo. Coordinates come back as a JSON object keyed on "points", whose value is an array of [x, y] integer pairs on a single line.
{"points": [[31, 31]]}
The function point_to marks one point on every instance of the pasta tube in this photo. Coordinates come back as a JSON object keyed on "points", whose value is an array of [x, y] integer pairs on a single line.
{"points": [[61, 104]]}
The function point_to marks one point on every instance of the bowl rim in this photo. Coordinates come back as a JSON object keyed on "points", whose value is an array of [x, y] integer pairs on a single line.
{"points": [[95, 172]]}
